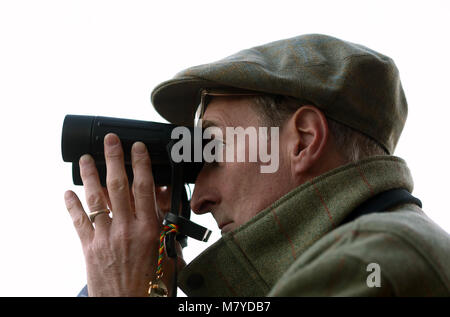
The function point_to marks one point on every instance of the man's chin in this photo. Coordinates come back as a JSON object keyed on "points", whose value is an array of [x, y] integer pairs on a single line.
{"points": [[227, 228]]}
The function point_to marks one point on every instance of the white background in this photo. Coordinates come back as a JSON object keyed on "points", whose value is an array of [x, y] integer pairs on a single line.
{"points": [[105, 57]]}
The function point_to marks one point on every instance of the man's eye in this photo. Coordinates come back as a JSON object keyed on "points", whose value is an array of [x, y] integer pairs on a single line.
{"points": [[215, 146]]}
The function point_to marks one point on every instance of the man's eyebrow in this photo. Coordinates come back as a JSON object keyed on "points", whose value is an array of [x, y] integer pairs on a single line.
{"points": [[210, 123]]}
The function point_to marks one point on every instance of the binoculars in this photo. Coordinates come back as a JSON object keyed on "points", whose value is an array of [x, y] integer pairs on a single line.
{"points": [[85, 134]]}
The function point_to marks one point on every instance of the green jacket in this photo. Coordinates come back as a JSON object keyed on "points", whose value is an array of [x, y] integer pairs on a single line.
{"points": [[298, 247]]}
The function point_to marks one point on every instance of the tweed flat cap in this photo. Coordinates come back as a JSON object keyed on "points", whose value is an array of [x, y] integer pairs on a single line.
{"points": [[350, 83]]}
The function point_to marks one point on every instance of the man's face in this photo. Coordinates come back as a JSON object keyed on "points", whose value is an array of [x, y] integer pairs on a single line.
{"points": [[234, 191]]}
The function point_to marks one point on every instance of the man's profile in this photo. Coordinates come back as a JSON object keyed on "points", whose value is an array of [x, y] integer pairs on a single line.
{"points": [[335, 218]]}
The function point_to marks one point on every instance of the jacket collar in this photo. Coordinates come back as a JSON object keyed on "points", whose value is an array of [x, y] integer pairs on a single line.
{"points": [[249, 260]]}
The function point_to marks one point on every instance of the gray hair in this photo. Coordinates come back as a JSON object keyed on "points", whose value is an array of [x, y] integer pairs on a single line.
{"points": [[353, 145]]}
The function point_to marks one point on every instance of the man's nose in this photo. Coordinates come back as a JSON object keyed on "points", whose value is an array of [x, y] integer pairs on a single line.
{"points": [[204, 197], [199, 203], [195, 201]]}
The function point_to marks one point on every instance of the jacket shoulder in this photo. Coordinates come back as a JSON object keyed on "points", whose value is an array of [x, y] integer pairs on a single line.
{"points": [[411, 252]]}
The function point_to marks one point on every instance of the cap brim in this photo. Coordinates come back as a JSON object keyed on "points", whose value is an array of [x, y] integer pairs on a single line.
{"points": [[177, 100]]}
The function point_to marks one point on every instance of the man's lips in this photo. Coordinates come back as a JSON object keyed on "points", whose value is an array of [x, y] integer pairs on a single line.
{"points": [[223, 224]]}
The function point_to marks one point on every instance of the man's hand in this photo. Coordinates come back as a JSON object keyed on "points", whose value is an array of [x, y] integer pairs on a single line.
{"points": [[121, 252]]}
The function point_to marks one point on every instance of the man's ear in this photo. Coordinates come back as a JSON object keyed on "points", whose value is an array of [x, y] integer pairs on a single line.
{"points": [[308, 135]]}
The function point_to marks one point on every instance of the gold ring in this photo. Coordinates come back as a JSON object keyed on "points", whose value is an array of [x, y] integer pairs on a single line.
{"points": [[94, 214]]}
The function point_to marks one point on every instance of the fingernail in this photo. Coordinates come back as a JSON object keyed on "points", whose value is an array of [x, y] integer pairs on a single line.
{"points": [[111, 139], [68, 195], [139, 148], [86, 158]]}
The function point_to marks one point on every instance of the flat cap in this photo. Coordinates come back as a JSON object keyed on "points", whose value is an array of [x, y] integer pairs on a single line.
{"points": [[350, 83]]}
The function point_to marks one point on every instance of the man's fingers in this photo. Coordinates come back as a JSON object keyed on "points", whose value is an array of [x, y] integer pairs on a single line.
{"points": [[163, 198], [143, 184], [95, 197], [81, 222], [105, 192], [116, 179]]}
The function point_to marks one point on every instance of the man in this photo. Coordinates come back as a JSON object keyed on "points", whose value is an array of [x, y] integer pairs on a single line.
{"points": [[336, 218]]}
